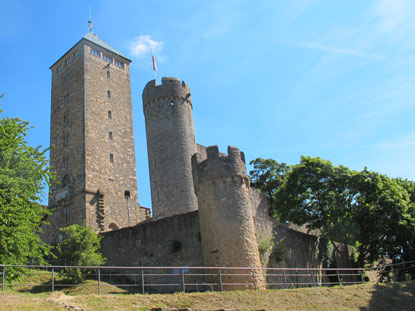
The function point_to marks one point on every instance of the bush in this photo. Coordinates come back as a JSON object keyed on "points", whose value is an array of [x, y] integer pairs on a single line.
{"points": [[79, 247]]}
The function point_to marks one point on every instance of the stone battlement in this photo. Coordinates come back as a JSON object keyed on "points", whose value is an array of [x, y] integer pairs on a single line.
{"points": [[171, 88], [218, 164]]}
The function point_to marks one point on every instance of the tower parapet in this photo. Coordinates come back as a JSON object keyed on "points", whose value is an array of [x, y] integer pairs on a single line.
{"points": [[219, 165], [171, 88], [170, 144], [226, 223]]}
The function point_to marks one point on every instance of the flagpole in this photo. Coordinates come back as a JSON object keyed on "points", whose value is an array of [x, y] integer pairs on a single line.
{"points": [[154, 65]]}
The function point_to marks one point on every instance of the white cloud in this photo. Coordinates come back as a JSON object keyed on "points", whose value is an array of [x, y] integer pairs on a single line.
{"points": [[338, 50], [396, 16], [332, 49], [394, 12], [141, 47]]}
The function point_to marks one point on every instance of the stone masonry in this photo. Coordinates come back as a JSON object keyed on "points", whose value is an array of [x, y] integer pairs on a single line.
{"points": [[92, 136], [170, 144], [225, 214]]}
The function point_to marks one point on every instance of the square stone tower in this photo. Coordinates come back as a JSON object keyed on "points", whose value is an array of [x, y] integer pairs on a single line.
{"points": [[92, 140]]}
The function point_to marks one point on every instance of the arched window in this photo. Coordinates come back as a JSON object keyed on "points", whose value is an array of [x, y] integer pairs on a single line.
{"points": [[113, 226], [66, 181]]}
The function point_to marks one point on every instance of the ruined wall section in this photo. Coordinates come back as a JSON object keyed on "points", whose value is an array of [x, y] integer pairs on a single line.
{"points": [[225, 214], [170, 144]]}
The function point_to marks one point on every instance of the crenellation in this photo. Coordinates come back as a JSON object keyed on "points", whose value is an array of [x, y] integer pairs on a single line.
{"points": [[170, 89], [219, 164]]}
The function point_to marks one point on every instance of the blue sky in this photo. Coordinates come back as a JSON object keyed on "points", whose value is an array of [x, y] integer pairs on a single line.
{"points": [[278, 79]]}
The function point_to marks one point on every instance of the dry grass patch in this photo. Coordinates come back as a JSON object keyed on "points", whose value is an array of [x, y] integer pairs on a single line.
{"points": [[363, 297]]}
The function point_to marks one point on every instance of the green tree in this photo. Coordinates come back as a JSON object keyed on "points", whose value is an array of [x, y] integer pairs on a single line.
{"points": [[268, 175], [385, 212], [79, 247], [23, 176], [365, 209], [318, 194]]}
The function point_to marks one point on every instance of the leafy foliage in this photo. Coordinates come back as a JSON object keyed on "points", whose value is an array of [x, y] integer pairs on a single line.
{"points": [[365, 209], [79, 247], [268, 175], [23, 176], [271, 248]]}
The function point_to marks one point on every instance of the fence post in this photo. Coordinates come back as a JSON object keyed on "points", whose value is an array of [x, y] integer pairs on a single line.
{"points": [[361, 276], [142, 281], [285, 279], [220, 280], [182, 277], [53, 279], [254, 277], [296, 278], [338, 277], [312, 278], [3, 278], [99, 281], [393, 274]]}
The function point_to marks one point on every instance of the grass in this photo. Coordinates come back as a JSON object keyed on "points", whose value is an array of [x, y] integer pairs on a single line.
{"points": [[398, 296]]}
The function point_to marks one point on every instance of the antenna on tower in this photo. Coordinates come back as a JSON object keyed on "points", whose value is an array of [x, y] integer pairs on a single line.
{"points": [[90, 20]]}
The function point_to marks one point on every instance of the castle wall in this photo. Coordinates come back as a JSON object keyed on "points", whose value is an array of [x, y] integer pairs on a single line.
{"points": [[295, 248], [168, 242], [170, 144], [176, 241]]}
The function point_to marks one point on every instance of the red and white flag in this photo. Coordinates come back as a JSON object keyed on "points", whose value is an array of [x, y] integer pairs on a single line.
{"points": [[154, 61]]}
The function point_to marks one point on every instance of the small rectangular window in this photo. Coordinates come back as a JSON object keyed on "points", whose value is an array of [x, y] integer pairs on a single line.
{"points": [[65, 212], [66, 99], [66, 118], [65, 162], [66, 140], [110, 135], [109, 114], [95, 53], [119, 64], [109, 94], [108, 74], [107, 58], [111, 158]]}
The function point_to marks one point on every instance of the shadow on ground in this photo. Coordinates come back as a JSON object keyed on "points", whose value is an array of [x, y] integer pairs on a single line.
{"points": [[397, 296]]}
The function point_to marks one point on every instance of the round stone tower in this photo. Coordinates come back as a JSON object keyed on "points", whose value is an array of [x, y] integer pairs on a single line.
{"points": [[170, 143], [226, 222]]}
